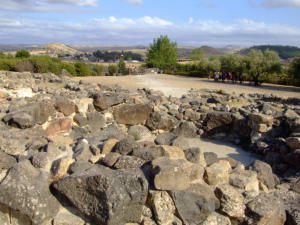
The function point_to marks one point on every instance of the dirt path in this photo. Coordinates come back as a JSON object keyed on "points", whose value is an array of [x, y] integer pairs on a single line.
{"points": [[179, 85]]}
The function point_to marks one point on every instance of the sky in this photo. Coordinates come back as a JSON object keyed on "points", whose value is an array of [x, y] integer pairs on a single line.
{"points": [[137, 22]]}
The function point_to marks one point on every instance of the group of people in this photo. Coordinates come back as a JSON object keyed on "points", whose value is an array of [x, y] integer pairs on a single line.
{"points": [[234, 77]]}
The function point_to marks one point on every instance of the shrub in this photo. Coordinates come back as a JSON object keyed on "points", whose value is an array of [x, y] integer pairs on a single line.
{"points": [[112, 69], [82, 69], [97, 70], [46, 64], [22, 54], [24, 65], [70, 67], [8, 64]]}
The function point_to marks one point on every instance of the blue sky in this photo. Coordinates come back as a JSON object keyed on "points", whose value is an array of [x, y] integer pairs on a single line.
{"points": [[132, 22]]}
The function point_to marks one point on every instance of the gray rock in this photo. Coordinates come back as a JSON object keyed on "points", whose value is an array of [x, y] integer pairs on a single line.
{"points": [[217, 122], [139, 132], [65, 106], [125, 146], [232, 201], [161, 121], [128, 162], [186, 129], [210, 158], [103, 101], [195, 155], [132, 114], [266, 209], [26, 189], [40, 160], [79, 167], [95, 120], [165, 138], [106, 196], [175, 174], [110, 159], [195, 204], [6, 161], [82, 151], [147, 153], [264, 173], [216, 219]]}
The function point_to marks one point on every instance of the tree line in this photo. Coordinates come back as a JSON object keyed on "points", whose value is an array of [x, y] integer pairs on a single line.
{"points": [[259, 66], [107, 56]]}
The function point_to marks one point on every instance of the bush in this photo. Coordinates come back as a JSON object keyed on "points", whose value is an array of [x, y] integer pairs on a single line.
{"points": [[8, 64], [69, 67], [97, 70], [22, 54], [112, 69], [24, 65], [46, 64], [82, 69]]}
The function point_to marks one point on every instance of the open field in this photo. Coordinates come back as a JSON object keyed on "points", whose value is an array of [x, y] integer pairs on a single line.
{"points": [[179, 85]]}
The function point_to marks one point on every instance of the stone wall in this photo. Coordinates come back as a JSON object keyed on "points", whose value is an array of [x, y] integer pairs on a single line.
{"points": [[75, 153]]}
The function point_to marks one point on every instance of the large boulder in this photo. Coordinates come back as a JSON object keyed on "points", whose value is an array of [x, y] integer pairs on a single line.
{"points": [[244, 179], [125, 146], [264, 173], [164, 138], [65, 106], [26, 189], [6, 161], [132, 114], [232, 201], [195, 204], [175, 174], [103, 101], [161, 121], [106, 196], [140, 133], [217, 122], [163, 207], [266, 209], [186, 129], [195, 155], [217, 173]]}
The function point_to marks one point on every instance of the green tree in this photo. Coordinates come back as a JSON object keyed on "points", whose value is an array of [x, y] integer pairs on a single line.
{"points": [[197, 54], [22, 54], [259, 65], [294, 69], [82, 69], [112, 69], [162, 53], [121, 65]]}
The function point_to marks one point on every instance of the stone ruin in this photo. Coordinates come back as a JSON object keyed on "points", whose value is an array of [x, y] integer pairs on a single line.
{"points": [[75, 153]]}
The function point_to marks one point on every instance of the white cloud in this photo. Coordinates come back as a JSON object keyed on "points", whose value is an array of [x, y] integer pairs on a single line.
{"points": [[75, 2], [276, 3], [42, 5], [114, 30], [134, 2]]}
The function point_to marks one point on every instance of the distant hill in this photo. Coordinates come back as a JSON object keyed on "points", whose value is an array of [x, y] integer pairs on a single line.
{"points": [[284, 52], [55, 48]]}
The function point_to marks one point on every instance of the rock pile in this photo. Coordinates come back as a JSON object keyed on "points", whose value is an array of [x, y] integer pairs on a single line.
{"points": [[74, 153]]}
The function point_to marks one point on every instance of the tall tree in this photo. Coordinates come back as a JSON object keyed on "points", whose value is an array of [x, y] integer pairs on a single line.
{"points": [[294, 69], [259, 64], [162, 53]]}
